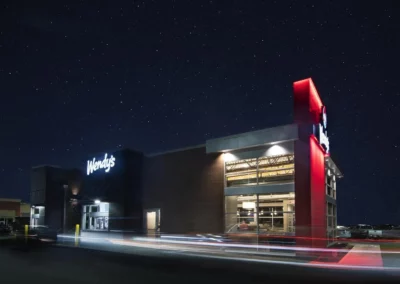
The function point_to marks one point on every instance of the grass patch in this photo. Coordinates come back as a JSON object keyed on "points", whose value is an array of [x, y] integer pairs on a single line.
{"points": [[390, 246]]}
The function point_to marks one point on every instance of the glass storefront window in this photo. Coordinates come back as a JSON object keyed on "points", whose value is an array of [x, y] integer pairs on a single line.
{"points": [[330, 209], [330, 183], [331, 221], [243, 172], [272, 214], [275, 168], [101, 223], [241, 179], [260, 170], [240, 213], [96, 217]]}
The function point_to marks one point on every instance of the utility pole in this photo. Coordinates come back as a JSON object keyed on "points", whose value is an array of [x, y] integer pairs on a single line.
{"points": [[65, 187]]}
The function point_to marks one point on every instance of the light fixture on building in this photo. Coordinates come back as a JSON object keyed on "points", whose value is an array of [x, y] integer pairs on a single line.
{"points": [[97, 201], [276, 150], [75, 190], [228, 157]]}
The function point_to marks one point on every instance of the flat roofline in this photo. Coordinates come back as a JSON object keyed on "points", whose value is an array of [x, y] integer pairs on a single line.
{"points": [[337, 171], [175, 150], [250, 132], [219, 138], [111, 152], [46, 166], [10, 200], [252, 139]]}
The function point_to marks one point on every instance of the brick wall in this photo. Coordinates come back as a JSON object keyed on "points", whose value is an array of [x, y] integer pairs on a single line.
{"points": [[11, 205]]}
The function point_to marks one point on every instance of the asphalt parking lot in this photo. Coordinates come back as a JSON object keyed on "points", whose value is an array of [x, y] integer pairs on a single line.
{"points": [[77, 265]]}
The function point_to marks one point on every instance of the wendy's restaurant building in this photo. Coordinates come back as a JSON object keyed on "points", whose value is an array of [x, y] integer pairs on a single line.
{"points": [[278, 181]]}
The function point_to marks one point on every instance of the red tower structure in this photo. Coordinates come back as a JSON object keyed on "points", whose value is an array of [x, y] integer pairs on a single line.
{"points": [[310, 153]]}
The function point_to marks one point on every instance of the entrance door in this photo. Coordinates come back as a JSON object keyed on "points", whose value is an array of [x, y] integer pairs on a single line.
{"points": [[152, 223], [34, 222], [151, 220]]}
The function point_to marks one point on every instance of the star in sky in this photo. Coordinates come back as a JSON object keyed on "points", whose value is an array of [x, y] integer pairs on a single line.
{"points": [[80, 78]]}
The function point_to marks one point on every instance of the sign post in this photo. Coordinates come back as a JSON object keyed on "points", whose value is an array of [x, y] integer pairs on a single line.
{"points": [[26, 233]]}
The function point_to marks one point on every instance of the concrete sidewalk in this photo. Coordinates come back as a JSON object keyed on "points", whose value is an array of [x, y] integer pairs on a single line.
{"points": [[363, 255]]}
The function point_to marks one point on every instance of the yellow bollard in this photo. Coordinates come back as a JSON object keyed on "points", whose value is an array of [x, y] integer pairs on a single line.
{"points": [[77, 235], [26, 233]]}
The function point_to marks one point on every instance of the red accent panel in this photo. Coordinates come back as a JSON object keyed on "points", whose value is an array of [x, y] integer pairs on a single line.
{"points": [[315, 101], [307, 103], [303, 193], [310, 198], [318, 195]]}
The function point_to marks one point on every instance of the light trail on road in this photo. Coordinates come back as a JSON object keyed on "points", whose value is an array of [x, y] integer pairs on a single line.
{"points": [[271, 254], [166, 240], [197, 253], [247, 246]]}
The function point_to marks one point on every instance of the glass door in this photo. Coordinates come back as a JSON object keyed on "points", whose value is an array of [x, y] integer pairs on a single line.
{"points": [[152, 221]]}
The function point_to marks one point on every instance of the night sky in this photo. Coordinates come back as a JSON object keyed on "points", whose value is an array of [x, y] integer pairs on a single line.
{"points": [[78, 77]]}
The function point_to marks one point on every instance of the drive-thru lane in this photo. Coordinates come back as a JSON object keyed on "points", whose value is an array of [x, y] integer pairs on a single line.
{"points": [[76, 265]]}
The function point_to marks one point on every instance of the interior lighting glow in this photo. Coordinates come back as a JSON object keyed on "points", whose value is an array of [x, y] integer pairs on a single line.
{"points": [[249, 205]]}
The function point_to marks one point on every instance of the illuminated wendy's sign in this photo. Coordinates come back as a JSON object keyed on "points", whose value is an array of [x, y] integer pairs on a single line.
{"points": [[323, 139], [324, 119], [322, 132], [107, 163]]}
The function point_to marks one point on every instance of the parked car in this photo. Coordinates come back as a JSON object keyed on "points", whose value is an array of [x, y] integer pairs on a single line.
{"points": [[343, 232], [360, 231], [40, 234], [4, 229], [375, 233], [386, 231]]}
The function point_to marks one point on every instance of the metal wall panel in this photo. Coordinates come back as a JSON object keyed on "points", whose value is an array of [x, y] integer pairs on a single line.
{"points": [[253, 139], [260, 189]]}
